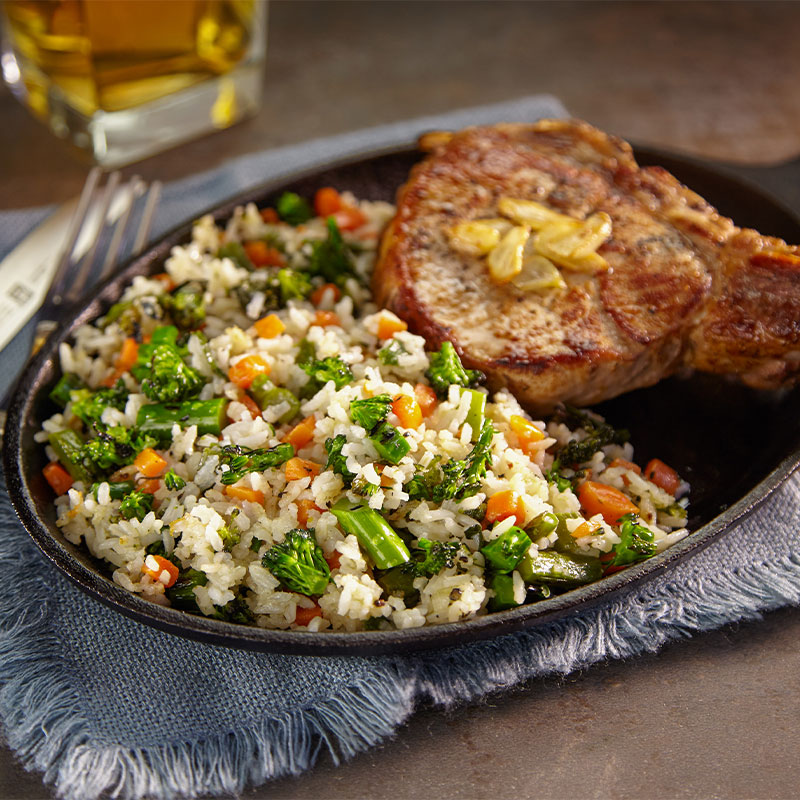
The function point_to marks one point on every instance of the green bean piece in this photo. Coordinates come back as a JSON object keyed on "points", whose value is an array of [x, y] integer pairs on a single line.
{"points": [[477, 407], [67, 383], [157, 419], [543, 525], [116, 490], [566, 541], [502, 584], [560, 569], [266, 394], [181, 593], [504, 553], [399, 581], [68, 447], [374, 534], [389, 442]]}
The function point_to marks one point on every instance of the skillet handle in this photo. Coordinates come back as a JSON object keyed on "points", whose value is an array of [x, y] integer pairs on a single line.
{"points": [[782, 181]]}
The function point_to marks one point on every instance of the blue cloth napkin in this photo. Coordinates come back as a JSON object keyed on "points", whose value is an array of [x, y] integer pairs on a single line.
{"points": [[80, 685]]}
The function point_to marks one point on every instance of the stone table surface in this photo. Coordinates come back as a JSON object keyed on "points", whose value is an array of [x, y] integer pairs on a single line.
{"points": [[713, 716]]}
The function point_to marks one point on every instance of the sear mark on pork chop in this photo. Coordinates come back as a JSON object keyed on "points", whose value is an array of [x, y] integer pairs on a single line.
{"points": [[685, 286]]}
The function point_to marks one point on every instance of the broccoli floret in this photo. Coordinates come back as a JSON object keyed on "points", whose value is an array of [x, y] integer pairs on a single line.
{"points": [[362, 487], [230, 533], [114, 447], [125, 314], [186, 305], [331, 258], [171, 379], [298, 563], [390, 353], [68, 383], [553, 475], [236, 461], [370, 411], [236, 611], [136, 504], [636, 543], [336, 460], [322, 371], [163, 335], [88, 406], [446, 369], [264, 282], [293, 209], [599, 435], [421, 486], [293, 285], [236, 253], [430, 558], [173, 481]]}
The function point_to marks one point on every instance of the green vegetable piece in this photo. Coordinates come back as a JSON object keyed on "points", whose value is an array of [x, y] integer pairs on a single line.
{"points": [[186, 305], [157, 419], [236, 461], [68, 447], [116, 490], [636, 543], [332, 258], [171, 379], [554, 476], [424, 482], [264, 282], [430, 558], [566, 541], [236, 611], [114, 447], [293, 285], [124, 314], [370, 411], [543, 525], [374, 534], [236, 253], [336, 461], [266, 394], [389, 442], [230, 534], [67, 383], [504, 553], [446, 369], [324, 370], [136, 504], [399, 581], [293, 209], [362, 487], [502, 584], [477, 407], [599, 435], [559, 569], [299, 563], [88, 406], [255, 544], [173, 481], [391, 352], [163, 335], [374, 623], [181, 593]]}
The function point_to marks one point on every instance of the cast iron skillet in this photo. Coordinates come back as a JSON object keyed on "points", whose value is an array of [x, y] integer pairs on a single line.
{"points": [[734, 445]]}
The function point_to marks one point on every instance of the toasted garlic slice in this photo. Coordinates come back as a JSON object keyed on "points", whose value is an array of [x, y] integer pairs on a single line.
{"points": [[538, 273], [478, 236], [529, 212], [505, 260], [591, 263], [574, 246]]}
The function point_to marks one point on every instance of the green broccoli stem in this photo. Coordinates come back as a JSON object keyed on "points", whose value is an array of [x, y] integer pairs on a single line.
{"points": [[157, 419], [374, 534], [68, 447]]}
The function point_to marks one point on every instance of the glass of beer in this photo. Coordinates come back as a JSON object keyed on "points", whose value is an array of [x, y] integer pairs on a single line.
{"points": [[123, 79]]}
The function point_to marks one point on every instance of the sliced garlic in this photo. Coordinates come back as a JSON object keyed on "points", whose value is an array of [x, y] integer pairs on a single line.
{"points": [[478, 236], [505, 260], [538, 273], [573, 244], [529, 212]]}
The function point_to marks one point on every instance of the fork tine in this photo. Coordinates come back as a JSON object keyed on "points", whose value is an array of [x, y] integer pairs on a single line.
{"points": [[147, 217], [137, 185]]}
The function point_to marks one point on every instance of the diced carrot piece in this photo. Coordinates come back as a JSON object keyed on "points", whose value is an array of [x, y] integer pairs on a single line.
{"points": [[149, 486], [527, 433], [388, 327], [302, 433], [262, 255], [408, 411], [269, 327], [584, 529], [245, 493], [125, 360], [385, 479], [164, 278], [270, 215], [327, 289], [303, 507], [598, 498], [334, 560], [426, 398], [305, 615], [245, 370], [662, 475], [59, 479], [621, 463], [349, 218], [327, 201], [502, 505], [326, 318], [161, 569], [298, 468], [250, 404], [150, 463]]}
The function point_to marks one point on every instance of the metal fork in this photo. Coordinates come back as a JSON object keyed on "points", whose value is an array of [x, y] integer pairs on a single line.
{"points": [[100, 226]]}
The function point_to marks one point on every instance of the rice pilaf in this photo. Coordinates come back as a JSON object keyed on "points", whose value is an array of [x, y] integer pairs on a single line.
{"points": [[248, 437]]}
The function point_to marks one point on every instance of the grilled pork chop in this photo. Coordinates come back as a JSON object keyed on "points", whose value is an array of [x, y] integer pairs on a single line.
{"points": [[683, 286]]}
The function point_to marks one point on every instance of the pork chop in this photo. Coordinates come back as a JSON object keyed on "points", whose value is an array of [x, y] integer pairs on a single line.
{"points": [[681, 285]]}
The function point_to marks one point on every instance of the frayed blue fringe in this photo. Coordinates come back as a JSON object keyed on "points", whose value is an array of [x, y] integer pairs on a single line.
{"points": [[47, 728]]}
